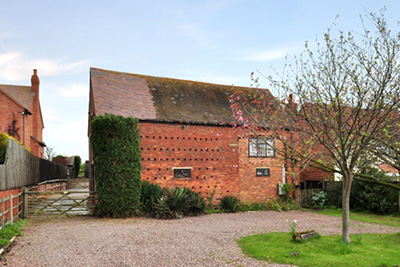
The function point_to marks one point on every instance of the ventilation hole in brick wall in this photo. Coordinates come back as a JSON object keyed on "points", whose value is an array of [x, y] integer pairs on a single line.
{"points": [[216, 139], [199, 169], [188, 138], [179, 149], [166, 137], [148, 148], [201, 149], [173, 149], [200, 139], [201, 159], [155, 178], [183, 138], [184, 149], [142, 159], [166, 159], [140, 136], [165, 178], [161, 159], [184, 159], [217, 159], [147, 136], [172, 159], [205, 139], [177, 138], [195, 149], [195, 159], [211, 176], [161, 149], [155, 159], [190, 159], [227, 191], [210, 139], [190, 149], [214, 169], [206, 159], [147, 178], [195, 138], [206, 168], [167, 149], [155, 149], [212, 150], [167, 169], [178, 159], [217, 150], [159, 137], [205, 177], [208, 186], [207, 150], [212, 159], [148, 158], [192, 187], [172, 137], [200, 187], [141, 148], [197, 177], [159, 169], [148, 169], [154, 137]]}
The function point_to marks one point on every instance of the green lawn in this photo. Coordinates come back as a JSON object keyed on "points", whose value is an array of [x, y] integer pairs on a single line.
{"points": [[364, 217], [366, 250]]}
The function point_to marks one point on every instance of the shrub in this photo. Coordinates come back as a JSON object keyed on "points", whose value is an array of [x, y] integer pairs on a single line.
{"points": [[150, 195], [116, 154], [229, 203], [3, 147], [77, 165], [175, 203], [319, 199]]}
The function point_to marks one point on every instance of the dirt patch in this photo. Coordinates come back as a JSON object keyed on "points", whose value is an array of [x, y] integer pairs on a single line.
{"points": [[208, 240]]}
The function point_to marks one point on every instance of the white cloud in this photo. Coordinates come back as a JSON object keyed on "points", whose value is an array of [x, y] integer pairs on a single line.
{"points": [[73, 90], [269, 55], [15, 66]]}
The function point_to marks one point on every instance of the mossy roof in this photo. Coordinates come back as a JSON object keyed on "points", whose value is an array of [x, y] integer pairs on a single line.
{"points": [[20, 94], [163, 99]]}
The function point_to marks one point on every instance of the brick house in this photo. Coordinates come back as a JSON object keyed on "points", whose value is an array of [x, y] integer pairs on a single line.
{"points": [[186, 135], [21, 115]]}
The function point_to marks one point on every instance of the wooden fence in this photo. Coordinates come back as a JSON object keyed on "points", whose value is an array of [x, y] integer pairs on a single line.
{"points": [[21, 168], [11, 208]]}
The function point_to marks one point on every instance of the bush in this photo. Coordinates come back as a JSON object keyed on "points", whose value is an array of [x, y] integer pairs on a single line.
{"points": [[116, 154], [150, 195], [3, 147], [77, 165], [319, 200], [229, 204], [175, 203], [10, 230]]}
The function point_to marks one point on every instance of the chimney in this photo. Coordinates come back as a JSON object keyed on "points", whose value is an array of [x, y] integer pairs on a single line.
{"points": [[290, 98], [35, 85]]}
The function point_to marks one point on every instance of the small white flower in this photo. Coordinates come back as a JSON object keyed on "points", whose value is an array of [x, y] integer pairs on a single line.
{"points": [[295, 221], [287, 220]]}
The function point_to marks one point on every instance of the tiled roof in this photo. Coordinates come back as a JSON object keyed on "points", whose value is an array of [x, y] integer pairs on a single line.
{"points": [[387, 168], [162, 99], [21, 94]]}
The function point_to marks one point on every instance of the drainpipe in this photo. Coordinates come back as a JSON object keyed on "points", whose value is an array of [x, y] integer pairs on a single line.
{"points": [[24, 113]]}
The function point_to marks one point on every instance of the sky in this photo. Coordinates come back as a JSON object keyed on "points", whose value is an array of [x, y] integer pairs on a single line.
{"points": [[209, 40]]}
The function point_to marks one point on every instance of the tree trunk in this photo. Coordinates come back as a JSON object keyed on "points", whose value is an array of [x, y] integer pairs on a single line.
{"points": [[346, 207]]}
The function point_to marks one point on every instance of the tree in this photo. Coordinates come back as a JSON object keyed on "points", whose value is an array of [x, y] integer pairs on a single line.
{"points": [[49, 153], [344, 101]]}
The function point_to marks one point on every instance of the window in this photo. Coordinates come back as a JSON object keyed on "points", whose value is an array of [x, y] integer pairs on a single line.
{"points": [[261, 147], [262, 171], [182, 172]]}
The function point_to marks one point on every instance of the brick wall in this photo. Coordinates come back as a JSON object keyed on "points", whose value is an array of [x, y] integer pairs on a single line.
{"points": [[8, 111], [210, 151]]}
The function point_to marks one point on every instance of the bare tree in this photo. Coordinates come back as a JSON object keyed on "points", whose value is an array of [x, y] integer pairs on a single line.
{"points": [[49, 153], [344, 102]]}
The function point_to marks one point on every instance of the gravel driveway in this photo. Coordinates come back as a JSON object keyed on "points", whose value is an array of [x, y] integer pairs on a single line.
{"points": [[208, 240]]}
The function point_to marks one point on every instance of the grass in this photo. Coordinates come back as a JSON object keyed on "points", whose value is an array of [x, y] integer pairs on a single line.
{"points": [[366, 250], [10, 230], [389, 220]]}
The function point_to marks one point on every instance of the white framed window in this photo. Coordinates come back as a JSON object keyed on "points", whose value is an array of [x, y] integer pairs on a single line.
{"points": [[261, 147], [182, 172]]}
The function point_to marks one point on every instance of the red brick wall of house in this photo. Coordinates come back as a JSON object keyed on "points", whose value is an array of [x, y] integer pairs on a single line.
{"points": [[260, 188], [8, 111], [211, 151]]}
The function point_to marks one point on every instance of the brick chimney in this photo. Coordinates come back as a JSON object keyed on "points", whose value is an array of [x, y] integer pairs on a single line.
{"points": [[35, 85]]}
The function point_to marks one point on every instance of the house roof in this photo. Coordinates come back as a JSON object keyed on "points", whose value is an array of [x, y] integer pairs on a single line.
{"points": [[22, 95], [387, 168], [163, 99]]}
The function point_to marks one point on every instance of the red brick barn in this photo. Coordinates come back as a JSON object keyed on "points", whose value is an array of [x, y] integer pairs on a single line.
{"points": [[21, 116], [186, 136]]}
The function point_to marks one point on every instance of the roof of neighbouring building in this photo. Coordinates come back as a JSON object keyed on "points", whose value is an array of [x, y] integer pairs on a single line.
{"points": [[20, 94], [388, 169], [163, 99]]}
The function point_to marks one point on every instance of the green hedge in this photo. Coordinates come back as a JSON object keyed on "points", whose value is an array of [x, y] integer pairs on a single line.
{"points": [[3, 147], [117, 164], [77, 165]]}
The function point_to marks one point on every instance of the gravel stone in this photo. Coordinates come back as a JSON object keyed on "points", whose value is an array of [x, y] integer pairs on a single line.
{"points": [[208, 240]]}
